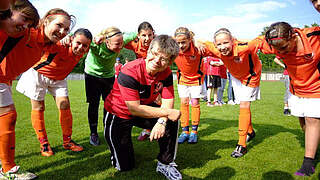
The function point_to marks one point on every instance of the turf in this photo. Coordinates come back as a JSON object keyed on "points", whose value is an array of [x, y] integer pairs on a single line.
{"points": [[276, 152]]}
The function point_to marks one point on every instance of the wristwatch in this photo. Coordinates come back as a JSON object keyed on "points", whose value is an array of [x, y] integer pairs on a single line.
{"points": [[162, 121]]}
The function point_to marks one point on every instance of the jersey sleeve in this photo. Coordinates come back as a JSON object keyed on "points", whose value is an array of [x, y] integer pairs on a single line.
{"points": [[212, 49], [127, 37], [261, 44]]}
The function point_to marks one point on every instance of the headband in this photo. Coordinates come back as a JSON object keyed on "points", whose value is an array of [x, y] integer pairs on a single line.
{"points": [[181, 33], [277, 38], [119, 32], [58, 14]]}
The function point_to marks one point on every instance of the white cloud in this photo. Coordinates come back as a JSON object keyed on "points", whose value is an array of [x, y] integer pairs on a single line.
{"points": [[245, 21], [124, 14], [264, 6]]}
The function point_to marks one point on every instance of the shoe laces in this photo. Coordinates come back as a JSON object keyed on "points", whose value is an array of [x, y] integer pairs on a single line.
{"points": [[173, 164]]}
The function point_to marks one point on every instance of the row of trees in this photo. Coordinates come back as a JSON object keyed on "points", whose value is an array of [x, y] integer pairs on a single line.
{"points": [[267, 59]]}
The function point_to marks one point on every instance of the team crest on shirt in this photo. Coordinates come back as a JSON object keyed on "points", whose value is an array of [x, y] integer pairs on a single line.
{"points": [[158, 87]]}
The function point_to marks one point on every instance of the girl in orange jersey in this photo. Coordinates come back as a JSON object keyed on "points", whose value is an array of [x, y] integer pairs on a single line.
{"points": [[140, 47], [316, 4], [49, 75], [245, 67], [20, 53], [190, 78], [300, 51]]}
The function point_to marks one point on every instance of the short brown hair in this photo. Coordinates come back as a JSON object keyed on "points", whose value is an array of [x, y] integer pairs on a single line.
{"points": [[167, 45], [25, 7]]}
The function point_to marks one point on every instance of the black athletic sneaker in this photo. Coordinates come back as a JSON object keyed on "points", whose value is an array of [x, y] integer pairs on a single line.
{"points": [[287, 112], [94, 140], [250, 136], [239, 151], [307, 168]]}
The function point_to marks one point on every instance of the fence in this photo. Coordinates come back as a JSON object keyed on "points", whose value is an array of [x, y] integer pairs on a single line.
{"points": [[264, 76]]}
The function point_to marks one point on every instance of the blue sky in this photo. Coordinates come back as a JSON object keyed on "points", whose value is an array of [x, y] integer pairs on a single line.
{"points": [[244, 18]]}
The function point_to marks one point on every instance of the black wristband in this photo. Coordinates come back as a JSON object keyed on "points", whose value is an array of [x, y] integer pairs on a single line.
{"points": [[5, 14]]}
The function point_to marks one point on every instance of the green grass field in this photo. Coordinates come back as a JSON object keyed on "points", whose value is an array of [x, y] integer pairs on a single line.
{"points": [[276, 152]]}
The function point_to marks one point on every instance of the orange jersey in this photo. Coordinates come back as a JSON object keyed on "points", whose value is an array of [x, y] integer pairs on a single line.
{"points": [[243, 64], [303, 66], [19, 54], [190, 66], [57, 62], [136, 46]]}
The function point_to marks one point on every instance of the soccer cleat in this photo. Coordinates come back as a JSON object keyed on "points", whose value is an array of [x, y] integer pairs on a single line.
{"points": [[71, 145], [46, 150], [217, 103], [183, 138], [239, 151], [250, 136], [144, 135], [170, 171], [193, 138], [287, 112], [209, 104], [17, 174], [307, 168], [305, 172], [230, 102], [94, 139]]}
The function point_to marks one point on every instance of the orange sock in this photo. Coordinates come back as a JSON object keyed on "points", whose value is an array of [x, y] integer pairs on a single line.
{"points": [[37, 119], [244, 122], [65, 117], [250, 129], [195, 114], [7, 140], [184, 119]]}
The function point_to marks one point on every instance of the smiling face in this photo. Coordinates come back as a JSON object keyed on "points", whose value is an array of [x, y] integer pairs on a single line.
{"points": [[17, 24], [146, 36], [80, 44], [224, 44], [57, 29], [156, 61], [115, 43], [183, 42]]}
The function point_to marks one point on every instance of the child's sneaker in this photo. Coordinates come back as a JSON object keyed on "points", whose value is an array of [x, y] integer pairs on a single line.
{"points": [[239, 151], [144, 135], [193, 138], [209, 104], [170, 171], [46, 150], [250, 136], [231, 102], [307, 168], [183, 138], [16, 173], [286, 112], [94, 139], [71, 145]]}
